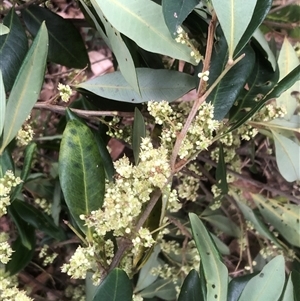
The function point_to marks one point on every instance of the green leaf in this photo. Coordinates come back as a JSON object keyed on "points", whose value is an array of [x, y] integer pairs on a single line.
{"points": [[215, 272], [296, 280], [224, 224], [144, 20], [226, 92], [138, 133], [234, 17], [162, 288], [190, 290], [28, 157], [261, 9], [154, 85], [236, 286], [251, 216], [115, 287], [120, 50], [37, 219], [66, 46], [221, 174], [282, 86], [283, 217], [145, 277], [26, 88], [260, 82], [2, 103], [287, 61], [287, 157], [22, 227], [16, 39], [175, 12], [268, 284], [81, 171], [221, 246], [288, 294], [3, 29], [6, 162], [21, 255]]}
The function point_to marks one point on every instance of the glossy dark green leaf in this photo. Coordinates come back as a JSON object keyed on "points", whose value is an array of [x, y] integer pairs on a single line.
{"points": [[81, 172], [22, 255], [6, 162], [22, 227], [261, 9], [260, 82], [236, 286], [37, 219], [175, 12], [296, 280], [138, 133], [226, 92], [190, 289], [215, 272], [115, 287], [13, 49], [66, 46], [28, 157], [26, 88], [2, 103], [221, 174], [282, 86], [154, 85]]}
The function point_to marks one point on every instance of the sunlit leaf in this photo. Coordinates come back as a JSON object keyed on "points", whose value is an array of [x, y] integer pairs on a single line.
{"points": [[234, 17], [287, 157], [287, 61], [26, 88], [115, 287], [268, 284], [283, 217], [81, 171], [154, 85], [138, 19], [288, 294], [215, 272], [3, 29]]}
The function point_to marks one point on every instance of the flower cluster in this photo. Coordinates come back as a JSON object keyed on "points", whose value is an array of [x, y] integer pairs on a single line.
{"points": [[43, 204], [269, 112], [46, 256], [6, 184], [183, 38], [65, 92], [204, 75], [200, 133], [25, 134], [9, 290]]}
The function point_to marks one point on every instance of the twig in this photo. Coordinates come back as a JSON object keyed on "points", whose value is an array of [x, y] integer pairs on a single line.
{"points": [[23, 6], [282, 6], [82, 113], [255, 183]]}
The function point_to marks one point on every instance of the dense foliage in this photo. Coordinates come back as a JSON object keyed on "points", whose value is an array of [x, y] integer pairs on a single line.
{"points": [[155, 179]]}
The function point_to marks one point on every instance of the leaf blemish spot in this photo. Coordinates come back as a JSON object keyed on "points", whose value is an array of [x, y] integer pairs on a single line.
{"points": [[216, 296], [213, 286], [261, 275], [73, 131]]}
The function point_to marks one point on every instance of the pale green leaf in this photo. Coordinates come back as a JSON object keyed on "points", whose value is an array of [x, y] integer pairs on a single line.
{"points": [[283, 217], [268, 284], [215, 272], [143, 22], [250, 216], [154, 84], [291, 125], [26, 88], [288, 291], [287, 157], [260, 38], [287, 61], [234, 17], [2, 103], [138, 133], [3, 29], [120, 50]]}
